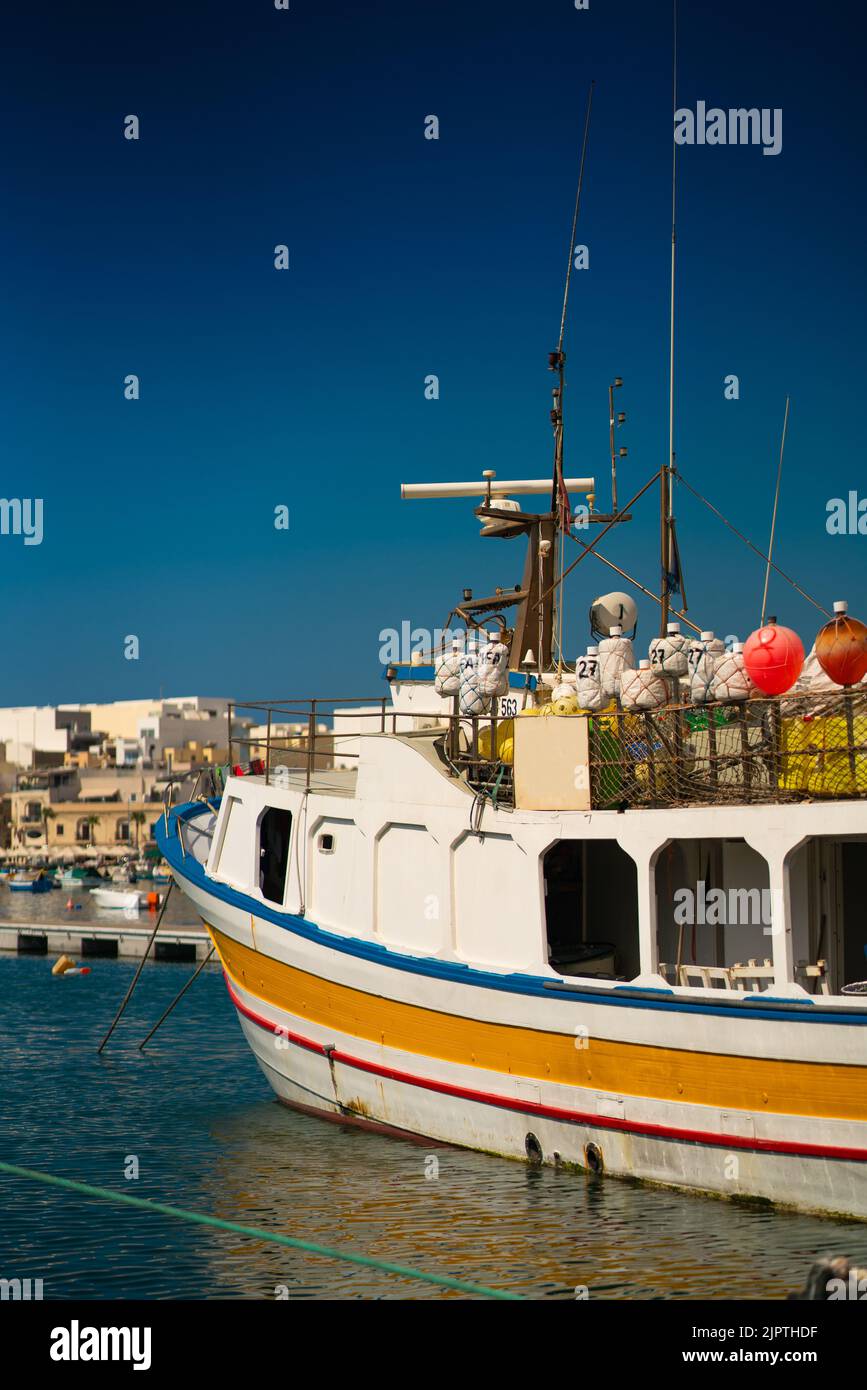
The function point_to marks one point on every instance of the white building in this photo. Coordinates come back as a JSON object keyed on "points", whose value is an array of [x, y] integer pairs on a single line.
{"points": [[50, 729]]}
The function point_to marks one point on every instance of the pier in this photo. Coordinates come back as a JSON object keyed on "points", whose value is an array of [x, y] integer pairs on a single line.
{"points": [[88, 940]]}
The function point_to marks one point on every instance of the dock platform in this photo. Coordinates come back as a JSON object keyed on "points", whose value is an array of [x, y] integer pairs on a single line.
{"points": [[95, 940]]}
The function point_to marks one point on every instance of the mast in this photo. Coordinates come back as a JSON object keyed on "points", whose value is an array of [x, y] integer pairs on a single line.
{"points": [[557, 363], [666, 471]]}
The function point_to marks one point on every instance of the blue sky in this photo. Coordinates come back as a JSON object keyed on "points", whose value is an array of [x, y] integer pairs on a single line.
{"points": [[408, 257]]}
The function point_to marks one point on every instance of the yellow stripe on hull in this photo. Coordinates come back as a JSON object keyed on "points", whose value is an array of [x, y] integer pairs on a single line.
{"points": [[697, 1078]]}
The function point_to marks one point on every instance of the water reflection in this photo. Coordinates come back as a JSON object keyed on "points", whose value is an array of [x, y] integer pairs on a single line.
{"points": [[199, 1116]]}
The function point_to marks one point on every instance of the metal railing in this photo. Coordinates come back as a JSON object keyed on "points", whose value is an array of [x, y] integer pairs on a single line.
{"points": [[316, 745], [791, 748]]}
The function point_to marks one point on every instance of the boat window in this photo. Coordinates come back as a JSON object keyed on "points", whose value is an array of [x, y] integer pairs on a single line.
{"points": [[275, 829], [829, 930], [591, 909], [714, 915], [326, 844]]}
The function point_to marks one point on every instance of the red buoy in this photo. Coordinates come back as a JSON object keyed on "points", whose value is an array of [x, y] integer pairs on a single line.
{"points": [[773, 657], [841, 647]]}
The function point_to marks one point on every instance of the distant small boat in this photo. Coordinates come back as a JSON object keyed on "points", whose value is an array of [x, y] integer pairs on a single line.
{"points": [[78, 877], [113, 897], [30, 883]]}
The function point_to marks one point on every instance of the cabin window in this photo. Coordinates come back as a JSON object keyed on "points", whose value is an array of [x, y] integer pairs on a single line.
{"points": [[326, 844], [714, 915], [829, 928], [275, 830], [591, 909]]}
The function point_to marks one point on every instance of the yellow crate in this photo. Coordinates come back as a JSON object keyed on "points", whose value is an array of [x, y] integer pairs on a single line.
{"points": [[816, 756]]}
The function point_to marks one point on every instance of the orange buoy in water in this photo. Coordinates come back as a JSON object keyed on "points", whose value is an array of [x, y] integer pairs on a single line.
{"points": [[841, 647], [153, 901], [69, 904]]}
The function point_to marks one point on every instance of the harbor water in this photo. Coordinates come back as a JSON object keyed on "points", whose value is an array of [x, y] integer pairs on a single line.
{"points": [[197, 1121]]}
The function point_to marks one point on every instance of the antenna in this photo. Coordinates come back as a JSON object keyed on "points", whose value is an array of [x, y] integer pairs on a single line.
{"points": [[614, 421], [774, 514], [667, 470]]}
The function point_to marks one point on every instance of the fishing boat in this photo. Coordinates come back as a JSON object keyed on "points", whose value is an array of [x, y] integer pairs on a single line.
{"points": [[116, 898], [30, 882], [601, 912]]}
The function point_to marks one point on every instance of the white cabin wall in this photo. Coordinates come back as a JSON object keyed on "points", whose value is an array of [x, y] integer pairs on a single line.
{"points": [[334, 879], [235, 843], [496, 902], [411, 889]]}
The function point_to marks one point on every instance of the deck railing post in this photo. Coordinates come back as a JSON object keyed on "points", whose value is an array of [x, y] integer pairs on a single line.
{"points": [[268, 751], [229, 740], [311, 741]]}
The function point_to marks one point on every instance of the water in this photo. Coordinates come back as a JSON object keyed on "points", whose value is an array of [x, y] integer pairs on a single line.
{"points": [[34, 908], [208, 1135]]}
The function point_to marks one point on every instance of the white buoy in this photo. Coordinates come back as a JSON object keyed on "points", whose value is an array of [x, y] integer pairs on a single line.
{"points": [[588, 684], [615, 657], [643, 689], [731, 680], [668, 654], [701, 658]]}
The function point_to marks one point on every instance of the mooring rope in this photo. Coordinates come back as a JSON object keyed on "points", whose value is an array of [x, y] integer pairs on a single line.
{"points": [[199, 1218]]}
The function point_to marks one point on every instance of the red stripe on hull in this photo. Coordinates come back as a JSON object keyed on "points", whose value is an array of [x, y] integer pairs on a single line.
{"points": [[553, 1112]]}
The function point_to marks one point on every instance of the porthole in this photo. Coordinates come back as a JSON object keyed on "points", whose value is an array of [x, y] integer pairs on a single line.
{"points": [[593, 1158], [533, 1149]]}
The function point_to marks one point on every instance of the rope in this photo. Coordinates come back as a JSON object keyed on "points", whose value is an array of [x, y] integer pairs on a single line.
{"points": [[774, 513], [749, 543], [200, 1219]]}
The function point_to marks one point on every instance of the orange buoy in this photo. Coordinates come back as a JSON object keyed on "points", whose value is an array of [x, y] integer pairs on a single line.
{"points": [[773, 657], [841, 647], [69, 904], [153, 901]]}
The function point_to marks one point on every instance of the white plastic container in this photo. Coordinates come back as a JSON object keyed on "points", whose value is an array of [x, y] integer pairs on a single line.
{"points": [[668, 654], [472, 699], [447, 676], [615, 657], [643, 689], [588, 684], [493, 667], [702, 656], [731, 679]]}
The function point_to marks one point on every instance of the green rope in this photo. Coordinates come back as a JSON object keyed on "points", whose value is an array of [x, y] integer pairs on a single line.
{"points": [[108, 1195]]}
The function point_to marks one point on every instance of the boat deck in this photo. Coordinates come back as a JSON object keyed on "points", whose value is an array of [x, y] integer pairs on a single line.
{"points": [[330, 781]]}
